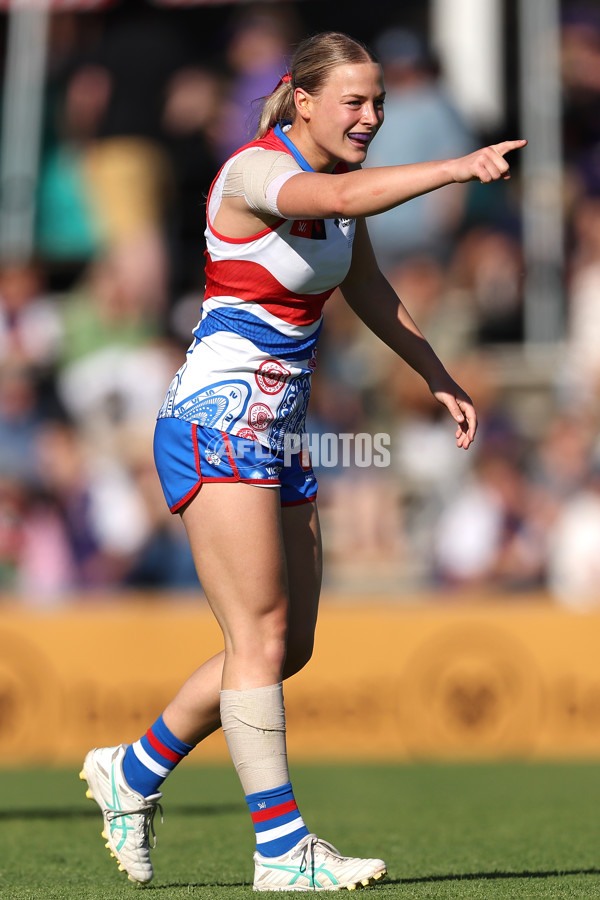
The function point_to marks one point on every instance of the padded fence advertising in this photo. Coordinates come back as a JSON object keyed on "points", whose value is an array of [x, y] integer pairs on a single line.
{"points": [[385, 683]]}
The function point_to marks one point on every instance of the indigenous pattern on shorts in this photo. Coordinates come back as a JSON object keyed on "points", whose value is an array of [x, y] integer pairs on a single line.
{"points": [[249, 367]]}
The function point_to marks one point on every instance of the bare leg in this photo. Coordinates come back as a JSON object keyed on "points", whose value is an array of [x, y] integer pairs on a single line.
{"points": [[193, 713]]}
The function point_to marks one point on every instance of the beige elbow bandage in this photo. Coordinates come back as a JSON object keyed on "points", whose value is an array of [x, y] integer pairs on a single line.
{"points": [[257, 175]]}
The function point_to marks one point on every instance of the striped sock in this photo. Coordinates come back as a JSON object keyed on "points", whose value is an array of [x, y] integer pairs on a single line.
{"points": [[277, 820], [148, 761]]}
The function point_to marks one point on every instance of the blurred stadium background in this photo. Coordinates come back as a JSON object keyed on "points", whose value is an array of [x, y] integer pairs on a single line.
{"points": [[462, 603]]}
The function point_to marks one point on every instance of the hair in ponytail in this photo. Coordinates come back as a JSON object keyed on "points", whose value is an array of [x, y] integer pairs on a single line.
{"points": [[311, 66], [277, 107]]}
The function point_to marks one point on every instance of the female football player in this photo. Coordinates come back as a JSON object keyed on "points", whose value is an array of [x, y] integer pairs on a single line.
{"points": [[285, 229]]}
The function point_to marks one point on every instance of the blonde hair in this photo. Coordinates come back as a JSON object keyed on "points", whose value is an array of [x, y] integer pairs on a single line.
{"points": [[311, 66]]}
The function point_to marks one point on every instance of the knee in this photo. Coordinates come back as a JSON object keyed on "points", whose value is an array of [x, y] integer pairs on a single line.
{"points": [[260, 642]]}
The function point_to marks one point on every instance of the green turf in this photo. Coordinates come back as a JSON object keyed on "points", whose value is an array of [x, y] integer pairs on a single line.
{"points": [[512, 830]]}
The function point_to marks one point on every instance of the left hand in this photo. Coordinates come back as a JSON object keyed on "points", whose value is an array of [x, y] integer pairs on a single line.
{"points": [[460, 406]]}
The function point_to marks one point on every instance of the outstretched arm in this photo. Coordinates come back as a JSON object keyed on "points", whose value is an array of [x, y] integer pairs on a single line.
{"points": [[367, 192], [374, 300]]}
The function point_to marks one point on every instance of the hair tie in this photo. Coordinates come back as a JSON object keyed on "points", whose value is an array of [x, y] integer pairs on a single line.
{"points": [[285, 79]]}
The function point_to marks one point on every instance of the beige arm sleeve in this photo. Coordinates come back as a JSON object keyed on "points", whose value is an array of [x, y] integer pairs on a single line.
{"points": [[257, 175]]}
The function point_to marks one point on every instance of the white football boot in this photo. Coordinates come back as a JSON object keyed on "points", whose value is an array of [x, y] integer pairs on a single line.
{"points": [[128, 817], [314, 865]]}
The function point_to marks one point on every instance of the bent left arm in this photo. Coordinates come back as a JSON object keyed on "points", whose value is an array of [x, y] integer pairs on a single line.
{"points": [[373, 299]]}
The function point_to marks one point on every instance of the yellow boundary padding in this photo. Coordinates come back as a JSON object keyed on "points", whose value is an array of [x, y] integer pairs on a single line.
{"points": [[386, 682]]}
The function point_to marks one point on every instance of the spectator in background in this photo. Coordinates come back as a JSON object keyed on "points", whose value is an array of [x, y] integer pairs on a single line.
{"points": [[36, 562], [163, 560], [21, 420], [486, 272], [35, 557], [127, 170], [45, 567], [421, 124], [261, 37], [560, 461], [110, 336], [192, 108], [447, 315], [580, 378], [68, 231], [30, 326], [103, 515], [432, 479], [100, 311], [574, 546], [11, 531], [359, 506], [424, 468], [485, 536], [580, 71]]}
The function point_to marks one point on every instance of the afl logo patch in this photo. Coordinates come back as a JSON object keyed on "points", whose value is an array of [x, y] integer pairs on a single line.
{"points": [[260, 416], [247, 434], [215, 451], [271, 376]]}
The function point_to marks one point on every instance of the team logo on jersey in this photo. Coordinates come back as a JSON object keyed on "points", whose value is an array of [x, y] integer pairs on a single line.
{"points": [[260, 416], [271, 376], [309, 228], [247, 434]]}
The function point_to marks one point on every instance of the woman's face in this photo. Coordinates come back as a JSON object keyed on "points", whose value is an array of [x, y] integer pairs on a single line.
{"points": [[345, 117]]}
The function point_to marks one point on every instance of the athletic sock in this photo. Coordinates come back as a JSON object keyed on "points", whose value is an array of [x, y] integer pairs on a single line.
{"points": [[277, 820], [148, 761]]}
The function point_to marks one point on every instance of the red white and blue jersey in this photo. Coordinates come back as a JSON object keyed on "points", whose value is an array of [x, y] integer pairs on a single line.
{"points": [[249, 367]]}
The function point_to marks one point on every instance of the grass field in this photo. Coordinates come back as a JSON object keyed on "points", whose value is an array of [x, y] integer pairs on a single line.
{"points": [[511, 830]]}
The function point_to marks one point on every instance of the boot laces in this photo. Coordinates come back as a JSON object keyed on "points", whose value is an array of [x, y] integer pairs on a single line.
{"points": [[307, 854], [147, 813]]}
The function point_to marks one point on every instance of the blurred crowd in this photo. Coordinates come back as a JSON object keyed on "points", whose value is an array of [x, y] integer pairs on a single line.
{"points": [[139, 117]]}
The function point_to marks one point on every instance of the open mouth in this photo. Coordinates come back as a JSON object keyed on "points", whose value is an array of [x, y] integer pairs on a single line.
{"points": [[360, 138]]}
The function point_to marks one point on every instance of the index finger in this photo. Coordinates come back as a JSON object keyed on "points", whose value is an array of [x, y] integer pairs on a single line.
{"points": [[506, 146], [468, 410]]}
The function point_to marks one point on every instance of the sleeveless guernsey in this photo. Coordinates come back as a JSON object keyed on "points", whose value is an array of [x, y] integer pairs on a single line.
{"points": [[248, 369]]}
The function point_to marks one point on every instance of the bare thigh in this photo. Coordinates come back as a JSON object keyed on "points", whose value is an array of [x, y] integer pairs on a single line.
{"points": [[236, 536], [302, 542], [194, 711]]}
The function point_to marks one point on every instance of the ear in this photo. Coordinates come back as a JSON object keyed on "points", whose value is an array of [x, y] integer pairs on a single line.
{"points": [[303, 103]]}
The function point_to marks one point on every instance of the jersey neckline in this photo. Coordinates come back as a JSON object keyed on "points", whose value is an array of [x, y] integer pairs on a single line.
{"points": [[280, 133]]}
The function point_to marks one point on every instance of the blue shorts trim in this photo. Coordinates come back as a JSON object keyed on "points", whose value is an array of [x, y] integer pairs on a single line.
{"points": [[188, 455]]}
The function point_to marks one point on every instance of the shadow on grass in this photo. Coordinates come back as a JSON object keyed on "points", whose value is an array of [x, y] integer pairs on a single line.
{"points": [[195, 884], [75, 812], [425, 879], [491, 876]]}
